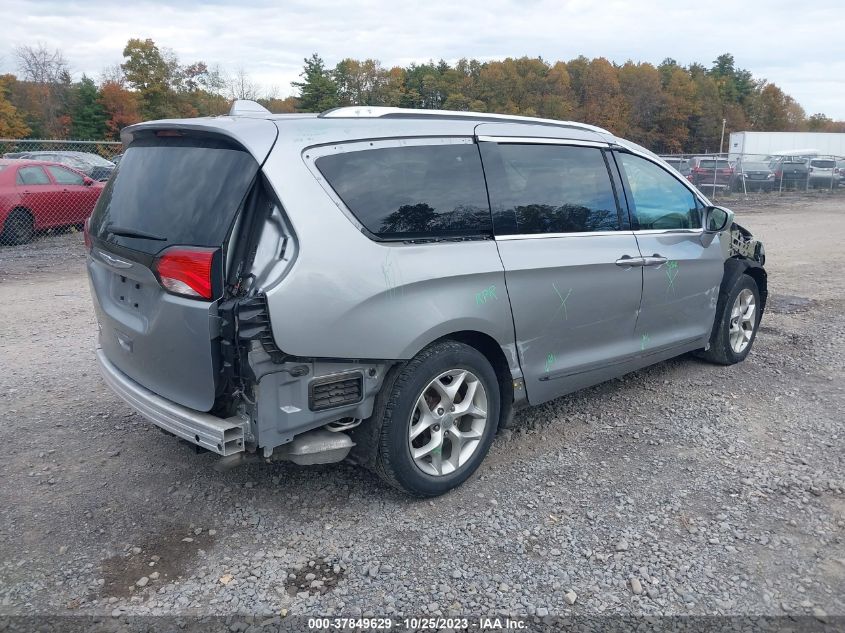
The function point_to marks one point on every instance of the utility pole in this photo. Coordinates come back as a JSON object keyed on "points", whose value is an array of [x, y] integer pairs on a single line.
{"points": [[722, 141]]}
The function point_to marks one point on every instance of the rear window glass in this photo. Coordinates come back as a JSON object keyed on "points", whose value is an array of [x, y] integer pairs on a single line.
{"points": [[718, 164], [184, 190], [550, 189], [412, 192], [823, 164]]}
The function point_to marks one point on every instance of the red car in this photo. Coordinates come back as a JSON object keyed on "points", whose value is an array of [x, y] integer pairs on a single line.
{"points": [[36, 195]]}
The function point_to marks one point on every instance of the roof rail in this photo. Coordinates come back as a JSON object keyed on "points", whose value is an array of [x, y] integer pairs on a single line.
{"points": [[246, 106], [378, 112]]}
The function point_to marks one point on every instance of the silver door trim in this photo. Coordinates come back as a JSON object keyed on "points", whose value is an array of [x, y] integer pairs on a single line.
{"points": [[539, 140]]}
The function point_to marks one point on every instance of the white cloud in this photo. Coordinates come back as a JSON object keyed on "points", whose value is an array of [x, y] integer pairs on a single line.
{"points": [[798, 46]]}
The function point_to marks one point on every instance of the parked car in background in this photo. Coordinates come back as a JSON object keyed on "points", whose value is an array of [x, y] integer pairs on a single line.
{"points": [[791, 172], [116, 158], [91, 165], [37, 195], [506, 261], [710, 172], [823, 172], [681, 165], [752, 175]]}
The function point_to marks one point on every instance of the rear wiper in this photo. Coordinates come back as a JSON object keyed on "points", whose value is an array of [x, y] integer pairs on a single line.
{"points": [[114, 229]]}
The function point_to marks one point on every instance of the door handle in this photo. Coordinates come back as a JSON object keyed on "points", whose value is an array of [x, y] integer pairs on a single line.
{"points": [[627, 260], [654, 260]]}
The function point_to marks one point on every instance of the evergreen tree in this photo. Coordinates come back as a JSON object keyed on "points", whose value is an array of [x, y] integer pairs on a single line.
{"points": [[88, 117], [318, 90]]}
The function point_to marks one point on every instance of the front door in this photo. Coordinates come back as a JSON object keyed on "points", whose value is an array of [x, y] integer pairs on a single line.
{"points": [[71, 195], [683, 266], [564, 243]]}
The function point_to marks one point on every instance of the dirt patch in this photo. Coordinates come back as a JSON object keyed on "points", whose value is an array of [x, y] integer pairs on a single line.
{"points": [[314, 578], [789, 304], [159, 559]]}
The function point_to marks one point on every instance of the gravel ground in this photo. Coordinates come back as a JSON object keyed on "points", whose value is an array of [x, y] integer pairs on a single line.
{"points": [[684, 488]]}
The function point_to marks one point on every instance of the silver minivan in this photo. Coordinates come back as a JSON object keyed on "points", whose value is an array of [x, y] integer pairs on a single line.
{"points": [[387, 285]]}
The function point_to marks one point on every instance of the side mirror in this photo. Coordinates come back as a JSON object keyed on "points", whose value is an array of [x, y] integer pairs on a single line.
{"points": [[87, 181], [716, 219]]}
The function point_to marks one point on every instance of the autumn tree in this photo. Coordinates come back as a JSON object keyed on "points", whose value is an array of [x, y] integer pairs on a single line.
{"points": [[151, 73], [645, 102], [602, 101], [360, 82], [12, 124], [45, 83], [121, 107]]}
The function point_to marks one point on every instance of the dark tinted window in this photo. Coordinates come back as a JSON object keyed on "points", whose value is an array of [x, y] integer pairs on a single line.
{"points": [[183, 189], [32, 176], [549, 189], [65, 176], [660, 201], [412, 192], [823, 164], [710, 164]]}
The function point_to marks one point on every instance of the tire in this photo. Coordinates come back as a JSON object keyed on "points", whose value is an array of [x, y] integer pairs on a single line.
{"points": [[399, 413], [19, 228], [726, 349]]}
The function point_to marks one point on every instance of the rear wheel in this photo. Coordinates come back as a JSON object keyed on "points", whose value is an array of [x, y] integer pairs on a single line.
{"points": [[437, 419], [19, 227], [736, 326]]}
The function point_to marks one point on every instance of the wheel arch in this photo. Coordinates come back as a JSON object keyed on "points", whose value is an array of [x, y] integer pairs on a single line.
{"points": [[735, 267], [495, 355]]}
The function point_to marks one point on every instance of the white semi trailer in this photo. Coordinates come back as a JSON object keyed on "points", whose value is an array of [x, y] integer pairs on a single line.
{"points": [[772, 143]]}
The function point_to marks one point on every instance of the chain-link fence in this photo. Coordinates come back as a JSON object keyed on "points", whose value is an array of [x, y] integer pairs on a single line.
{"points": [[721, 176], [50, 187]]}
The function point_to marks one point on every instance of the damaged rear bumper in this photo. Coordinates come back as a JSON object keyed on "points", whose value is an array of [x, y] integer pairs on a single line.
{"points": [[218, 435]]}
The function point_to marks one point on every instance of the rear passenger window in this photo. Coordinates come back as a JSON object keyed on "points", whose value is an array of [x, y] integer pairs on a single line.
{"points": [[410, 192], [32, 176], [549, 189], [660, 201]]}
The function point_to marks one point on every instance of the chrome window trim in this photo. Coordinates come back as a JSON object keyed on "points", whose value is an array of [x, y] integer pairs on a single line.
{"points": [[537, 236], [662, 231], [540, 140]]}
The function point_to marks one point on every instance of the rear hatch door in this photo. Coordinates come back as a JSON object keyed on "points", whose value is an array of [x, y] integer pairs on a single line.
{"points": [[173, 188]]}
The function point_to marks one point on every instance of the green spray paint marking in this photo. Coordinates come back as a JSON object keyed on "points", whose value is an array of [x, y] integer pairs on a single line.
{"points": [[550, 360], [485, 295], [392, 277], [643, 341], [562, 302], [671, 273]]}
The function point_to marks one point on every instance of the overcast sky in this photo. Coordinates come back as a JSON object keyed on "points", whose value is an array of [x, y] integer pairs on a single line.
{"points": [[798, 45]]}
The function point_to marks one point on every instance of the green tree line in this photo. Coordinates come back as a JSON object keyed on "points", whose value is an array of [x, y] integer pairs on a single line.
{"points": [[667, 108]]}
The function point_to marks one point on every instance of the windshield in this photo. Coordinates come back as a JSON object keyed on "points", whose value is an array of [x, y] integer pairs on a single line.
{"points": [[760, 166], [174, 190], [94, 159]]}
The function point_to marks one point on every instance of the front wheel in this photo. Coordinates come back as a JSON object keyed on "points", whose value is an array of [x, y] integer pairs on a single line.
{"points": [[437, 419], [736, 327]]}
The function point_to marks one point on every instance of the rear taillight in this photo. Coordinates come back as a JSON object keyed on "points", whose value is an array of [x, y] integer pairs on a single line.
{"points": [[86, 233], [186, 271]]}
